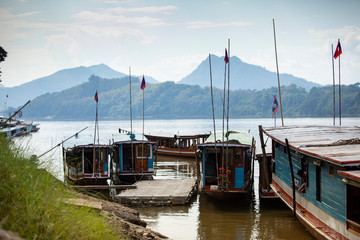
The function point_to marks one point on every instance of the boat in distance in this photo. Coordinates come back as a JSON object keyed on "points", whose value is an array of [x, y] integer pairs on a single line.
{"points": [[177, 145]]}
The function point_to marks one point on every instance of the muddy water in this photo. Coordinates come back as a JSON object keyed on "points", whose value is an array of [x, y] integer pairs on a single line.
{"points": [[205, 218]]}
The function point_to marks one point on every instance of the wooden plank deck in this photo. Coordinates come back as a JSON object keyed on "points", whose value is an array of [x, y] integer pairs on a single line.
{"points": [[159, 192]]}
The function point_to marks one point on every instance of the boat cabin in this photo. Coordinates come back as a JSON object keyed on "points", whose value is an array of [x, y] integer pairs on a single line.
{"points": [[87, 164], [133, 159], [227, 166]]}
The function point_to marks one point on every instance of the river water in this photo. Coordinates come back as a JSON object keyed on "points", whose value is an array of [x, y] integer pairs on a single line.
{"points": [[204, 218]]}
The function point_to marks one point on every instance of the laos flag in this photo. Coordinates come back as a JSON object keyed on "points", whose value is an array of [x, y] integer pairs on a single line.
{"points": [[226, 58], [143, 83], [96, 98], [275, 106], [338, 50]]}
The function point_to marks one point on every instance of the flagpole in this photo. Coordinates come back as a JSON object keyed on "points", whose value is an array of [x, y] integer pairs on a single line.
{"points": [[277, 69], [96, 120], [131, 130], [339, 92], [227, 118], [332, 59], [213, 110], [223, 123], [142, 137]]}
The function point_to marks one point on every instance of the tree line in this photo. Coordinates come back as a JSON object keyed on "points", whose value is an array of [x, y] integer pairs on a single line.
{"points": [[169, 100]]}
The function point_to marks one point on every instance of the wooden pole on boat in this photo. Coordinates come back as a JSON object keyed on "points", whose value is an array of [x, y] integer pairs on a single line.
{"points": [[62, 142], [131, 131], [292, 175], [142, 137], [332, 59], [4, 123], [264, 159], [278, 77], [339, 91], [223, 126], [213, 111], [227, 118], [96, 124]]}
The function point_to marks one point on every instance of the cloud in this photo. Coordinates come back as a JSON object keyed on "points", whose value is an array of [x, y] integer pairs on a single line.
{"points": [[208, 24], [150, 9]]}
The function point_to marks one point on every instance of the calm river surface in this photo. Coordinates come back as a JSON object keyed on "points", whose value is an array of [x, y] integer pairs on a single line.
{"points": [[203, 218]]}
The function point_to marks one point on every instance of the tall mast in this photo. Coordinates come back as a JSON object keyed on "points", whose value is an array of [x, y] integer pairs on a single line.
{"points": [[278, 77], [213, 110], [332, 59]]}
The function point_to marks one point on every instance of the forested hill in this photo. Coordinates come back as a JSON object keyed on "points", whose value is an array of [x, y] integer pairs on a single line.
{"points": [[169, 100]]}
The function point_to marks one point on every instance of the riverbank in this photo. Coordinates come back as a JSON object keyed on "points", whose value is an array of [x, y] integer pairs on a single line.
{"points": [[35, 205]]}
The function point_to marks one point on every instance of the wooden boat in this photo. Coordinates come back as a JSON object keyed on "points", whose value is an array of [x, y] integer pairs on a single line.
{"points": [[325, 195], [133, 159], [227, 167], [177, 145], [87, 164]]}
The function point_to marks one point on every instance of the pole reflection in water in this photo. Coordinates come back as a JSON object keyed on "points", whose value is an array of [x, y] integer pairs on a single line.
{"points": [[205, 218]]}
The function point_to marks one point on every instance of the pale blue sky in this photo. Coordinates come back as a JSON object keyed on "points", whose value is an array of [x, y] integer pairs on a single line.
{"points": [[168, 39]]}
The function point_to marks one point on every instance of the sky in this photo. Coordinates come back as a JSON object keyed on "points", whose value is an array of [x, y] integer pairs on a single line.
{"points": [[168, 39]]}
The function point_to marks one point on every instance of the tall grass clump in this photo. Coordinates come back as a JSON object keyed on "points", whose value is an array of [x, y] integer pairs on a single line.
{"points": [[32, 202]]}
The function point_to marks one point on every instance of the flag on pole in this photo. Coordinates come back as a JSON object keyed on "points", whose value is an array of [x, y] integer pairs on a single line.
{"points": [[226, 58], [143, 85], [96, 97], [275, 106], [338, 50]]}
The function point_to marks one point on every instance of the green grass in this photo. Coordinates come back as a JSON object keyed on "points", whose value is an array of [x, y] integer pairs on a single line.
{"points": [[31, 202]]}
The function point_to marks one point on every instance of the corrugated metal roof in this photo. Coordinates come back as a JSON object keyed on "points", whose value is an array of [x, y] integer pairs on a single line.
{"points": [[339, 145]]}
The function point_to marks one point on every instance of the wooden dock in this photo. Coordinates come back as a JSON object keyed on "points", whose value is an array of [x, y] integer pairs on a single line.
{"points": [[159, 192]]}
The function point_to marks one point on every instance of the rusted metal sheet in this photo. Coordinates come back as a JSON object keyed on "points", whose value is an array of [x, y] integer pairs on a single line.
{"points": [[339, 145]]}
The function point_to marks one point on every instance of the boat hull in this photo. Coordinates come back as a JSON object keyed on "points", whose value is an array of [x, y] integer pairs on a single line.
{"points": [[320, 224]]}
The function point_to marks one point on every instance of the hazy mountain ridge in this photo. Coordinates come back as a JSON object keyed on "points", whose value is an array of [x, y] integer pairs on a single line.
{"points": [[242, 76]]}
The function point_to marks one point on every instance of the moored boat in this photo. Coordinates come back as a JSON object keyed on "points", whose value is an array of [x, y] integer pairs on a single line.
{"points": [[316, 172], [177, 145], [226, 166], [133, 159], [87, 164]]}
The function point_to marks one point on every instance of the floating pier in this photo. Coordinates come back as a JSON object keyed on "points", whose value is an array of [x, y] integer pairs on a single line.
{"points": [[159, 192]]}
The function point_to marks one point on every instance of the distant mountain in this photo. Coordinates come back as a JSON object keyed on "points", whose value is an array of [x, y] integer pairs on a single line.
{"points": [[57, 82], [242, 76]]}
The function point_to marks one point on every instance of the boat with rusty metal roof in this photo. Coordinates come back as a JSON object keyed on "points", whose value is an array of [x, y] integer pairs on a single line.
{"points": [[316, 172]]}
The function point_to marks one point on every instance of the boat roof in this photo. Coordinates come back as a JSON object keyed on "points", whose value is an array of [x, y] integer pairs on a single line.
{"points": [[172, 136], [124, 138], [352, 175], [92, 146], [235, 138], [337, 145]]}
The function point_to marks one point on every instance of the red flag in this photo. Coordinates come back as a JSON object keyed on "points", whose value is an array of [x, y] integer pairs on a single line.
{"points": [[226, 58], [143, 85], [275, 106], [96, 97], [338, 50]]}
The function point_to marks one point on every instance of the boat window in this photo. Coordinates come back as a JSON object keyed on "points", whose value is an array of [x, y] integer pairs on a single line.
{"points": [[239, 153], [353, 208], [331, 171], [318, 183], [143, 151]]}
